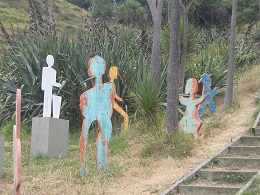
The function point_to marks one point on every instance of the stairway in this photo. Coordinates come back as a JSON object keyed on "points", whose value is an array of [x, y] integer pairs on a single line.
{"points": [[225, 173]]}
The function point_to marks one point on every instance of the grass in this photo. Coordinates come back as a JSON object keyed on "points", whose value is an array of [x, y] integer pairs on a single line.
{"points": [[59, 172], [16, 12], [254, 188]]}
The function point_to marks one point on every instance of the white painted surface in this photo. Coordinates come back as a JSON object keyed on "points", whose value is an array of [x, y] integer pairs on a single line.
{"points": [[48, 81]]}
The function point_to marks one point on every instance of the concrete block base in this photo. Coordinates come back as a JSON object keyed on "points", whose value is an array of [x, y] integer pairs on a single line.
{"points": [[1, 155], [49, 137]]}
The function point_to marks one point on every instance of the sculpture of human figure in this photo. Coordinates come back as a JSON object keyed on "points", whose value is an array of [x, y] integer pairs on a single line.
{"points": [[206, 80], [96, 104], [113, 75], [190, 122], [48, 81]]}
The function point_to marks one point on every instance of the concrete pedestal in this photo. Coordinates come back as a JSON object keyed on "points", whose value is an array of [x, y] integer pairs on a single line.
{"points": [[49, 137], [1, 155]]}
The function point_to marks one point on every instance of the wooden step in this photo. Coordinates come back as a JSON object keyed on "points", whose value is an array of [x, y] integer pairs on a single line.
{"points": [[244, 150], [217, 174], [239, 161], [250, 140], [207, 190]]}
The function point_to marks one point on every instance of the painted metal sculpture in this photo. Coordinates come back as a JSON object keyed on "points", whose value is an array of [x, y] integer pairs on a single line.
{"points": [[48, 81], [17, 145], [113, 75], [96, 104], [190, 122], [209, 93]]}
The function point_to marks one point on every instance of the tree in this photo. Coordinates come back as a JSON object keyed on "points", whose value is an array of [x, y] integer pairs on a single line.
{"points": [[231, 58], [185, 5], [156, 11], [102, 9], [132, 11], [173, 70]]}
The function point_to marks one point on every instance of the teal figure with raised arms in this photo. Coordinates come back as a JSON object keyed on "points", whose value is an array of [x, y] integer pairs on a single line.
{"points": [[209, 93], [96, 104], [190, 122]]}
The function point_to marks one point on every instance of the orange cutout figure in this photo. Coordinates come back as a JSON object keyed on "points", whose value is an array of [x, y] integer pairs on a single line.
{"points": [[113, 75]]}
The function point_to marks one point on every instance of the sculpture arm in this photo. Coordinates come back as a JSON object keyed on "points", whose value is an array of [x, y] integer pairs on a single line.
{"points": [[182, 100], [118, 98], [200, 99], [57, 84], [43, 79], [215, 91]]}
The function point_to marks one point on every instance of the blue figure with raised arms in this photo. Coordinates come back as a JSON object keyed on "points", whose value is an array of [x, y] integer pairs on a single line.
{"points": [[206, 80]]}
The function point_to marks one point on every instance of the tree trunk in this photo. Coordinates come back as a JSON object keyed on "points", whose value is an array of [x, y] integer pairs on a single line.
{"points": [[184, 48], [173, 70], [169, 12], [185, 8], [231, 58], [156, 11]]}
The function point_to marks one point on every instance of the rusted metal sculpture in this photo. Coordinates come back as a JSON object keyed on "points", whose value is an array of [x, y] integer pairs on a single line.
{"points": [[96, 104], [190, 122], [17, 145], [113, 75], [209, 93]]}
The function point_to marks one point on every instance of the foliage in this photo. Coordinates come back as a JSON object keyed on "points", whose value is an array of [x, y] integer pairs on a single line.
{"points": [[7, 131], [246, 54], [14, 15], [192, 37], [212, 60], [21, 68], [178, 146], [102, 9], [247, 11], [131, 11], [148, 99]]}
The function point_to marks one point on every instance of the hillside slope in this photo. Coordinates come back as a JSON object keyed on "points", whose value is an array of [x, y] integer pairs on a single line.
{"points": [[16, 12]]}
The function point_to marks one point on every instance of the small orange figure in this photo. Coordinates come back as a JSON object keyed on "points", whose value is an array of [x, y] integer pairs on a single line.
{"points": [[190, 122], [113, 75]]}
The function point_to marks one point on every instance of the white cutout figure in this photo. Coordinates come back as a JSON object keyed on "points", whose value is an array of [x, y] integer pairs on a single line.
{"points": [[48, 81]]}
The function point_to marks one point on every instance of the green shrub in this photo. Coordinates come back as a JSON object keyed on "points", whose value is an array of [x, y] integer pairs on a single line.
{"points": [[246, 54], [22, 65], [148, 95], [177, 146], [7, 131]]}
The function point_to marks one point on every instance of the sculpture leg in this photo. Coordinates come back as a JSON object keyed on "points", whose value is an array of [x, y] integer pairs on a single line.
{"points": [[123, 113], [102, 144], [84, 148], [212, 106], [47, 105], [202, 108]]}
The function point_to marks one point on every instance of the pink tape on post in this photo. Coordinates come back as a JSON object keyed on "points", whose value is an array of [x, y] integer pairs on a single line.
{"points": [[17, 145]]}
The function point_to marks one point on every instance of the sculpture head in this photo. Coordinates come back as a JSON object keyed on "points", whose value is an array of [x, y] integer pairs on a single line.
{"points": [[96, 66], [191, 86], [112, 74], [50, 60], [205, 78]]}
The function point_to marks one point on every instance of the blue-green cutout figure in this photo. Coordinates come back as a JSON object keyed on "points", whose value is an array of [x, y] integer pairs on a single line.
{"points": [[96, 105], [206, 80]]}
